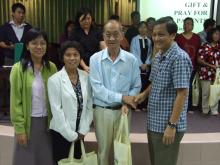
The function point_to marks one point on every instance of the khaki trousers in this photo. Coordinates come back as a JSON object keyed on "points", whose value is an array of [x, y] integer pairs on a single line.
{"points": [[205, 85], [106, 123]]}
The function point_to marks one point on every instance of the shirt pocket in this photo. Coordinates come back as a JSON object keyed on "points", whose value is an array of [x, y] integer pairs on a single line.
{"points": [[123, 84], [164, 78]]}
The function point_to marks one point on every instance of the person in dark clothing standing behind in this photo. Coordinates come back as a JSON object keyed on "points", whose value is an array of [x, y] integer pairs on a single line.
{"points": [[13, 32], [208, 24], [88, 36], [133, 29], [69, 26]]}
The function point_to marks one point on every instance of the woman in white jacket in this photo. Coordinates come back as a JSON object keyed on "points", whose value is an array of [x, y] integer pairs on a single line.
{"points": [[71, 103], [141, 48]]}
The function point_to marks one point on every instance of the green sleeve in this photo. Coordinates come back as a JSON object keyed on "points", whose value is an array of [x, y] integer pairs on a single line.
{"points": [[16, 111], [53, 67]]}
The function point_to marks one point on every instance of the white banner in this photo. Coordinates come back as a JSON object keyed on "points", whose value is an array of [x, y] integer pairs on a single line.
{"points": [[199, 10]]}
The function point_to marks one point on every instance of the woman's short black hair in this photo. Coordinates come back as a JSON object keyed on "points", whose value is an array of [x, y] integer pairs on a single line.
{"points": [[189, 19], [170, 24], [210, 33], [150, 19], [209, 22], [82, 12], [17, 5], [142, 23], [114, 17], [135, 13], [70, 44], [31, 35]]}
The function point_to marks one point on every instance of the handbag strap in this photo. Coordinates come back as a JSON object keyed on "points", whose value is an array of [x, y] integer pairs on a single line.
{"points": [[119, 131], [126, 130], [195, 78], [83, 149], [123, 127], [217, 76], [71, 153]]}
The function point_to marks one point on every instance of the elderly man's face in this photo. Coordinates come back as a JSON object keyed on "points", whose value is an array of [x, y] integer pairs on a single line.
{"points": [[113, 35]]}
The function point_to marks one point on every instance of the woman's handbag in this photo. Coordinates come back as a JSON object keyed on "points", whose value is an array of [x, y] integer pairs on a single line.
{"points": [[214, 95], [122, 146], [195, 90], [86, 159]]}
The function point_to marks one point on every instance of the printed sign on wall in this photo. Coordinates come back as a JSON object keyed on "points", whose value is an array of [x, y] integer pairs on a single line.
{"points": [[199, 10]]}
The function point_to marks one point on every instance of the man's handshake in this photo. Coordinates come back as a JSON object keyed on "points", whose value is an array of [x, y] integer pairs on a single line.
{"points": [[133, 101]]}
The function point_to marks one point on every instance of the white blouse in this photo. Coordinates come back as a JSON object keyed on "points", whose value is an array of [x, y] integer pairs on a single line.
{"points": [[38, 96]]}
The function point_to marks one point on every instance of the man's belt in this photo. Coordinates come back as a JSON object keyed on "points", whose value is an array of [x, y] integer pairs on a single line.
{"points": [[117, 107]]}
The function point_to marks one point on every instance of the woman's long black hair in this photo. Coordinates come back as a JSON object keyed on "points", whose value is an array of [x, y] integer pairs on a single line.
{"points": [[84, 11], [31, 35]]}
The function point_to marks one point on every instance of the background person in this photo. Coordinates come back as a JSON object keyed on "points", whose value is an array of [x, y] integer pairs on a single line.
{"points": [[88, 36], [208, 24], [13, 32], [209, 60], [141, 48], [190, 42], [133, 29], [69, 26]]}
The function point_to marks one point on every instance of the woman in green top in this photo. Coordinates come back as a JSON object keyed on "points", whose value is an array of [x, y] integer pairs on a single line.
{"points": [[29, 106]]}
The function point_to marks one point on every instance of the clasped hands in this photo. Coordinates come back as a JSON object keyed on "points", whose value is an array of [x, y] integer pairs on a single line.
{"points": [[131, 102]]}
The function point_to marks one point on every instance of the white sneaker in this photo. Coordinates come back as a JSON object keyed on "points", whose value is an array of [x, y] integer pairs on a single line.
{"points": [[214, 113]]}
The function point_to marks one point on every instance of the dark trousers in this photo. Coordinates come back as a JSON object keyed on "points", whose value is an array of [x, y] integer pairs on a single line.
{"points": [[144, 84], [190, 106], [61, 147], [161, 154]]}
